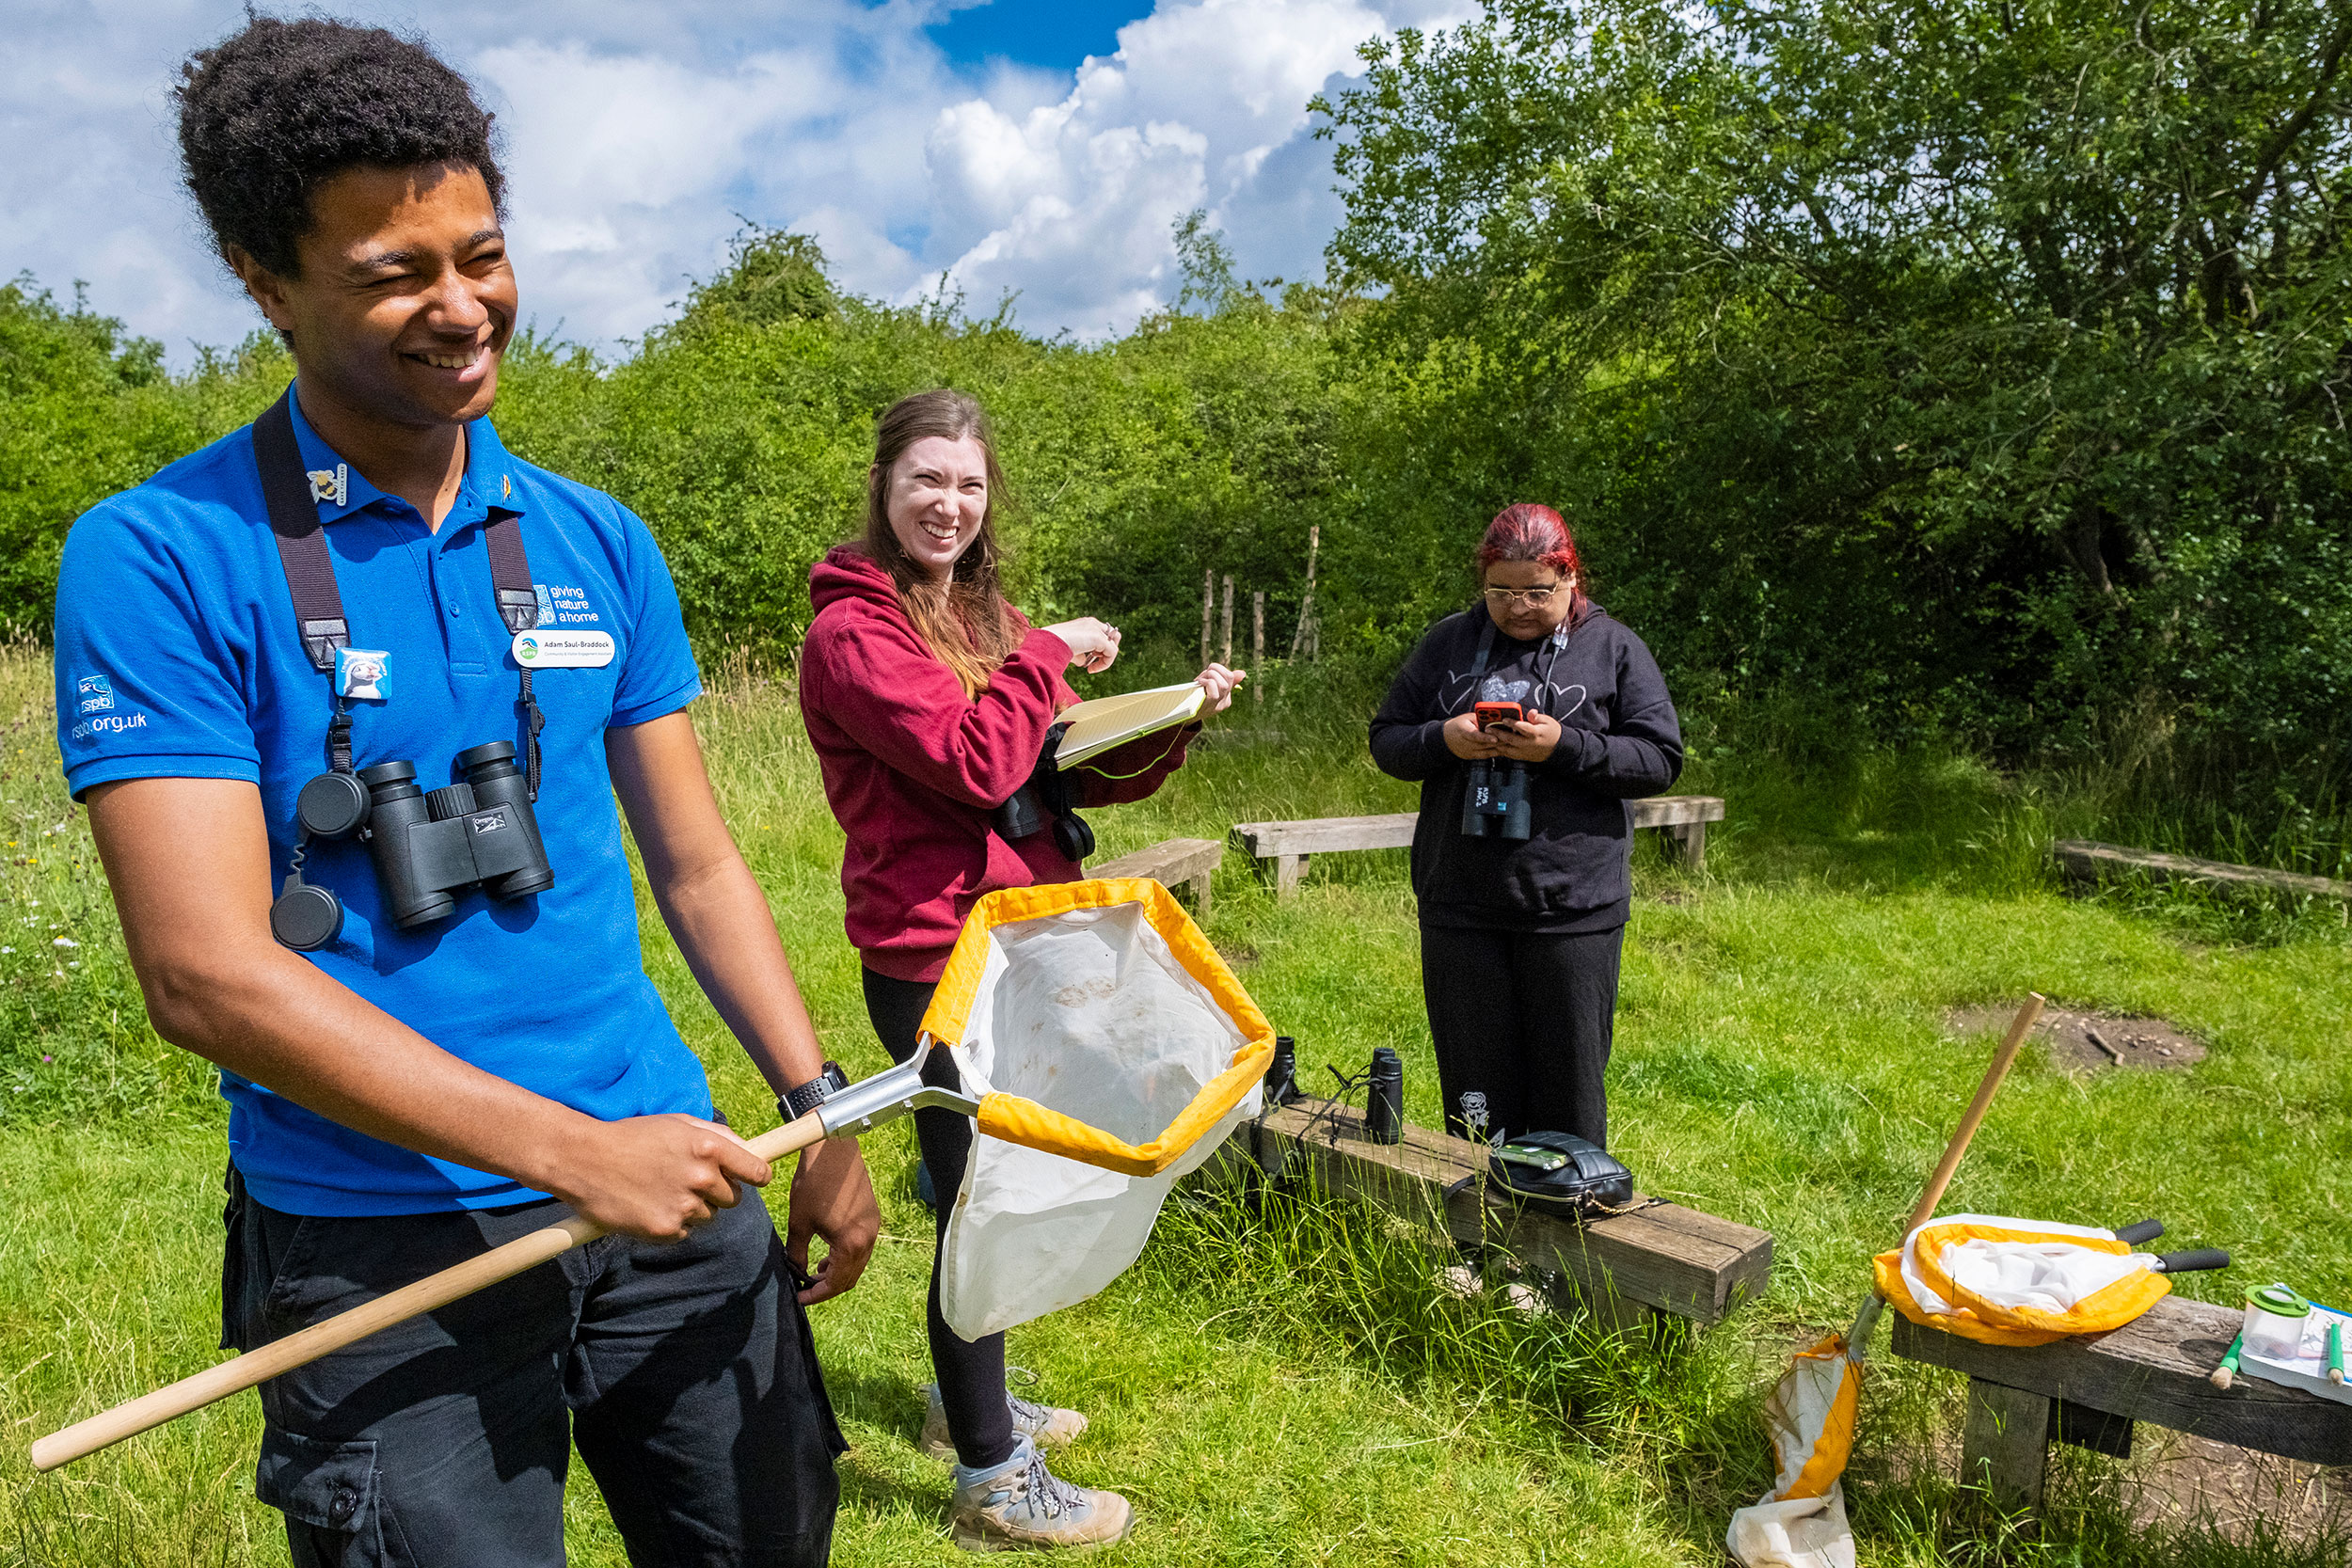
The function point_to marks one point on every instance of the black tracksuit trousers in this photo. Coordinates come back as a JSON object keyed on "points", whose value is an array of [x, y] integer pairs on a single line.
{"points": [[1524, 1020], [971, 1372]]}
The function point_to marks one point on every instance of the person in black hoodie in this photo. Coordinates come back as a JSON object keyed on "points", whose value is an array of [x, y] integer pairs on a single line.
{"points": [[1520, 936]]}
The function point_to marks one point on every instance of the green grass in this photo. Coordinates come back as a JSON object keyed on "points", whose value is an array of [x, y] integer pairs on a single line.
{"points": [[1286, 1387]]}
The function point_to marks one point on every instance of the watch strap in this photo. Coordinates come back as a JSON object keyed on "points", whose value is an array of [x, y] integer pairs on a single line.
{"points": [[802, 1099]]}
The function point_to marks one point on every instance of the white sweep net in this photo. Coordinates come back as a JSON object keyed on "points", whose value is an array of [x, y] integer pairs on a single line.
{"points": [[1089, 1013]]}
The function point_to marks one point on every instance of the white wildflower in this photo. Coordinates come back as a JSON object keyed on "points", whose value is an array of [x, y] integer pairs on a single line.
{"points": [[64, 942]]}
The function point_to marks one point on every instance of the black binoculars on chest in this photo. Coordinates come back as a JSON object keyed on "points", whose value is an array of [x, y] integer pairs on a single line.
{"points": [[428, 846], [1494, 802]]}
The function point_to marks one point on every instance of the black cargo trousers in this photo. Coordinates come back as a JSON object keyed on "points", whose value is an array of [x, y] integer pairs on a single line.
{"points": [[685, 1372]]}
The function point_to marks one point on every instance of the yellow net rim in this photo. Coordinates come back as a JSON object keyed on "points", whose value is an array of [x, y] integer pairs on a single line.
{"points": [[1992, 1323], [1024, 1121]]}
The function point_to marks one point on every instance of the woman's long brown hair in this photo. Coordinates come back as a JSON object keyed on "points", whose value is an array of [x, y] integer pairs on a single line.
{"points": [[966, 621]]}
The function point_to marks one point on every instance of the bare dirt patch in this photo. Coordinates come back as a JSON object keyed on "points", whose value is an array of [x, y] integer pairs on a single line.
{"points": [[2174, 1480], [2088, 1041], [2176, 1477]]}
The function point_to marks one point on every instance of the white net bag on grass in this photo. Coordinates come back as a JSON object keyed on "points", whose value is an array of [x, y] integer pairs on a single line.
{"points": [[1111, 1052]]}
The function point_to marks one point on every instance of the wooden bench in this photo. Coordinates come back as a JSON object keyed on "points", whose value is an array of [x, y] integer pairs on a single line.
{"points": [[1169, 863], [1656, 1256], [1682, 817], [2084, 860], [2087, 1390]]}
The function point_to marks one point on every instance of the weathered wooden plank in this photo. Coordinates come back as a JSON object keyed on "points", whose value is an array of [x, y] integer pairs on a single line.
{"points": [[1189, 861], [1684, 818], [2004, 1444], [1662, 1255], [2084, 860], [1321, 835], [2156, 1369], [1171, 860], [1669, 811]]}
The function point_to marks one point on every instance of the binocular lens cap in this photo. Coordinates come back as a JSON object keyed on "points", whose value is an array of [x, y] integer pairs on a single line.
{"points": [[331, 805], [306, 918]]}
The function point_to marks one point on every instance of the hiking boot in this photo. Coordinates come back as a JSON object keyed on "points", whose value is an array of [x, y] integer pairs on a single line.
{"points": [[1022, 1506], [1459, 1280], [1051, 1427], [1524, 1299]]}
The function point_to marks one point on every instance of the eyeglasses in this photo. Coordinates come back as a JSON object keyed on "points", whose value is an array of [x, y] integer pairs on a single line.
{"points": [[1523, 598]]}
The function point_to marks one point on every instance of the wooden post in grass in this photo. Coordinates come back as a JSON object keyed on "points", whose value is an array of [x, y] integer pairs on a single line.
{"points": [[1257, 643], [1229, 619], [1208, 608], [1302, 638]]}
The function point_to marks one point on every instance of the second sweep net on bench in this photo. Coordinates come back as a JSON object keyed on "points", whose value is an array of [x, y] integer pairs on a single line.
{"points": [[1111, 1052]]}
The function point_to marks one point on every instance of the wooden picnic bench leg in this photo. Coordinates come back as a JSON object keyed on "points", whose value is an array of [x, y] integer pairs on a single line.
{"points": [[1689, 844], [1199, 886], [2005, 1447], [1287, 870]]}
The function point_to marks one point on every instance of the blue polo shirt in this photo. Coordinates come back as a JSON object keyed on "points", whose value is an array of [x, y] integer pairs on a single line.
{"points": [[177, 657]]}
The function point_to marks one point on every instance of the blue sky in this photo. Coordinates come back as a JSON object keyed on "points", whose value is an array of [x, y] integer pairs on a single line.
{"points": [[1053, 35], [1036, 149]]}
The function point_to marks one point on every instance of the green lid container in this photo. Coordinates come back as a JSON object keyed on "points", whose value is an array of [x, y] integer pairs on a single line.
{"points": [[2278, 1299]]}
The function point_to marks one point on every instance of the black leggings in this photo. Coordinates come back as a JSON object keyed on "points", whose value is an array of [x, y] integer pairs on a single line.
{"points": [[971, 1372], [1524, 1019]]}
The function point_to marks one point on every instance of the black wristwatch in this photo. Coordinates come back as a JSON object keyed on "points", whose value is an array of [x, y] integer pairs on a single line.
{"points": [[797, 1103]]}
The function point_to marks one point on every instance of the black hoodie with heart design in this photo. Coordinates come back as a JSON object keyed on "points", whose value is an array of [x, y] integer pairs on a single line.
{"points": [[1619, 740]]}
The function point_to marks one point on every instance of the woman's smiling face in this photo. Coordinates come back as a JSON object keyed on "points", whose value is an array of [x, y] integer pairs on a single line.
{"points": [[937, 496]]}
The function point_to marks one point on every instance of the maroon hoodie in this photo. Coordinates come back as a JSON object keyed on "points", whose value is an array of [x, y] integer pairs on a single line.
{"points": [[913, 766]]}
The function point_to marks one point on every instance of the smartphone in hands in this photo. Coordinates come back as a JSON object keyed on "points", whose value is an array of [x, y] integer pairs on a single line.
{"points": [[1491, 715]]}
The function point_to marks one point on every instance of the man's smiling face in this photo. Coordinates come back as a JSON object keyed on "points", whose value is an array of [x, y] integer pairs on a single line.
{"points": [[405, 300]]}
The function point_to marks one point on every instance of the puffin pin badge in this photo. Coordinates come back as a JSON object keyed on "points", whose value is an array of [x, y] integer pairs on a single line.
{"points": [[359, 673]]}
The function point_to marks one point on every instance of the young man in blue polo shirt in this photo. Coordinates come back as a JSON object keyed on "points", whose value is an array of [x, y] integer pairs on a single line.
{"points": [[449, 1055]]}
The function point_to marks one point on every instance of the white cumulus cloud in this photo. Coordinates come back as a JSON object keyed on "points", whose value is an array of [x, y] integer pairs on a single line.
{"points": [[639, 138]]}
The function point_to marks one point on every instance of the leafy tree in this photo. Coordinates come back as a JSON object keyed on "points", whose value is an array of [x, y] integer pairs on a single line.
{"points": [[1973, 360], [86, 411]]}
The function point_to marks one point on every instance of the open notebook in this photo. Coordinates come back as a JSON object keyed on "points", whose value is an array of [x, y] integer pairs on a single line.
{"points": [[1102, 723]]}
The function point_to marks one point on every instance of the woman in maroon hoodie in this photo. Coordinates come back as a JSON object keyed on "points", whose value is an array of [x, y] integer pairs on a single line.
{"points": [[928, 698]]}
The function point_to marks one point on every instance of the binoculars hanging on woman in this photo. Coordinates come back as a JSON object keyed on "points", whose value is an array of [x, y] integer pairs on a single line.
{"points": [[1494, 802]]}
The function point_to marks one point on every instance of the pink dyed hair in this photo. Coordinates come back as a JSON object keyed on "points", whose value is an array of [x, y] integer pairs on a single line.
{"points": [[1527, 532]]}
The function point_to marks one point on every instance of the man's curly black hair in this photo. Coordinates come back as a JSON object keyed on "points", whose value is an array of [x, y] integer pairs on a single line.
{"points": [[270, 113]]}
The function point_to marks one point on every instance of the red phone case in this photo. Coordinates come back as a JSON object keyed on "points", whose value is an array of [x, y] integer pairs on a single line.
{"points": [[1491, 714]]}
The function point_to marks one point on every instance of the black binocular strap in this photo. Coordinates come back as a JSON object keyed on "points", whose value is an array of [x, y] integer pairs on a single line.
{"points": [[518, 607], [1486, 651], [293, 520], [318, 602]]}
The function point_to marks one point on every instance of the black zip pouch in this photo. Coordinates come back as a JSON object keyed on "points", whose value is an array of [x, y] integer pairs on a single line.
{"points": [[1559, 1173]]}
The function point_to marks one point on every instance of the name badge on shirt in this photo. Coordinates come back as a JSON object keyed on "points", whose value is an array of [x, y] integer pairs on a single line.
{"points": [[563, 650]]}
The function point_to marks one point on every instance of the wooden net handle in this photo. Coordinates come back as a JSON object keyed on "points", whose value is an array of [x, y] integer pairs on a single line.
{"points": [[2018, 1028], [320, 1339]]}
